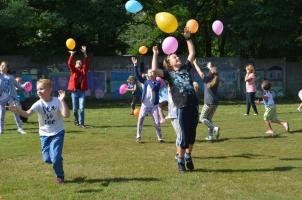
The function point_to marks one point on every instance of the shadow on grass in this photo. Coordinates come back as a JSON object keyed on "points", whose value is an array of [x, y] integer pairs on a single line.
{"points": [[275, 169], [90, 191], [289, 159], [296, 131], [106, 181], [243, 155], [121, 126]]}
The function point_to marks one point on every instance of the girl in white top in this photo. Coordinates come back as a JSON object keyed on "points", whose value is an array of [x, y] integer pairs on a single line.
{"points": [[51, 111]]}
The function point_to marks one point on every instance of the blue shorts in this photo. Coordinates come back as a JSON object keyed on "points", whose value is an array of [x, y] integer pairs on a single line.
{"points": [[185, 126]]}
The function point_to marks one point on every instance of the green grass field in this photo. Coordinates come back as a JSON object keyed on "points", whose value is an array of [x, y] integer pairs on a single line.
{"points": [[105, 162]]}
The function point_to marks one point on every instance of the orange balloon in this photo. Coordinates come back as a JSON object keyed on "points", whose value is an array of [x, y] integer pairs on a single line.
{"points": [[143, 50], [136, 112], [192, 24]]}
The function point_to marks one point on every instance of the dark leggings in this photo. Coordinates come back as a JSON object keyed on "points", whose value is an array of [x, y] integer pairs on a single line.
{"points": [[133, 102], [250, 101]]}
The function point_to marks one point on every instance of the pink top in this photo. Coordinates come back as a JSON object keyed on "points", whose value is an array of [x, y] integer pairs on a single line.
{"points": [[251, 83]]}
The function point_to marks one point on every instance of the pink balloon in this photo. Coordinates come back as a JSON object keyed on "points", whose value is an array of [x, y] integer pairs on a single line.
{"points": [[28, 86], [161, 81], [217, 27], [170, 45], [123, 89]]}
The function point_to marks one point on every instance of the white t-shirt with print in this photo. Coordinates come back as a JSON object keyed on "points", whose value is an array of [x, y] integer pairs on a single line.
{"points": [[49, 115]]}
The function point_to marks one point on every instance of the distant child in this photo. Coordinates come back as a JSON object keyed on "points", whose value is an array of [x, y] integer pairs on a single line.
{"points": [[163, 100], [134, 89], [250, 84], [150, 99], [270, 115], [22, 97], [211, 101], [9, 86], [184, 98], [300, 96], [51, 111]]}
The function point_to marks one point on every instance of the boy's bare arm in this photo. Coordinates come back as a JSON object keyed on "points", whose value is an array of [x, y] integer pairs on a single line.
{"points": [[65, 112]]}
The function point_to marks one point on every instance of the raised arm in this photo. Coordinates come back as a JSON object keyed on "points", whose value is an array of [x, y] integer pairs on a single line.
{"points": [[70, 61], [64, 108], [190, 44], [198, 70], [154, 58], [137, 75], [86, 61]]}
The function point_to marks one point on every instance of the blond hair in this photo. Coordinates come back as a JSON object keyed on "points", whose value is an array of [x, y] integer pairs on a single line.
{"points": [[250, 68], [46, 82], [166, 63]]}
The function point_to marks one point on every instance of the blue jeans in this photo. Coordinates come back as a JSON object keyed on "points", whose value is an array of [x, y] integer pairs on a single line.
{"points": [[52, 147], [78, 102]]}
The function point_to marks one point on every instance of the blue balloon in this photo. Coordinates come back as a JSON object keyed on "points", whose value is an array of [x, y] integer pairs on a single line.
{"points": [[133, 6]]}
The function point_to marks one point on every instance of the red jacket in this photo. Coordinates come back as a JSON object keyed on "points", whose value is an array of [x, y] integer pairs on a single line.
{"points": [[75, 73]]}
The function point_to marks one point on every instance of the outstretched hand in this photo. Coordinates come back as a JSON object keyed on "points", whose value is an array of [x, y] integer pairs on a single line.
{"points": [[134, 61], [187, 33], [83, 49], [62, 95], [12, 107], [155, 50], [71, 52]]}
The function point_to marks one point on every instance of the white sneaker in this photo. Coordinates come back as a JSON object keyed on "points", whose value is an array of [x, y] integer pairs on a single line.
{"points": [[21, 131], [209, 138], [298, 109], [216, 132]]}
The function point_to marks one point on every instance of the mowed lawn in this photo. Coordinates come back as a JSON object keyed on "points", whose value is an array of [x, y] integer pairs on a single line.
{"points": [[104, 161]]}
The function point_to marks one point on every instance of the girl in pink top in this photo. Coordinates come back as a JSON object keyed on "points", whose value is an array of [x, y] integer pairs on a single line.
{"points": [[250, 83]]}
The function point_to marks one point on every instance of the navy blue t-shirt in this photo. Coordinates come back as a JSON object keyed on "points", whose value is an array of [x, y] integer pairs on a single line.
{"points": [[181, 85]]}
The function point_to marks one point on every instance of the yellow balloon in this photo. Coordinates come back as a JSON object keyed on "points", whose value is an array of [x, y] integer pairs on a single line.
{"points": [[166, 22], [70, 43]]}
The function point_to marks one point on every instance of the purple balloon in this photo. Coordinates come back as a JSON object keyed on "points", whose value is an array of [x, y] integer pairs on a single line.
{"points": [[217, 27], [170, 45], [123, 89]]}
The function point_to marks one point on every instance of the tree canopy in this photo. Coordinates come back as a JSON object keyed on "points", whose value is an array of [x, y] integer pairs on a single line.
{"points": [[254, 28]]}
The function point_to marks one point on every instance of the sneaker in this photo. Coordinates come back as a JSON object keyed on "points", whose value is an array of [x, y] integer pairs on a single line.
{"points": [[286, 126], [269, 132], [60, 180], [189, 163], [161, 141], [216, 132], [82, 126], [21, 131], [246, 114], [76, 123], [298, 109], [162, 121], [139, 140], [255, 114], [209, 138], [181, 167]]}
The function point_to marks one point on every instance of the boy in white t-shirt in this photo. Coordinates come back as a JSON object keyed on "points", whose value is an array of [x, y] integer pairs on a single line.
{"points": [[51, 111], [270, 115]]}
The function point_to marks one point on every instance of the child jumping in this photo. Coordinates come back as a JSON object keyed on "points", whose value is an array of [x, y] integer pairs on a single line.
{"points": [[150, 99], [184, 97], [211, 101], [270, 115], [133, 88], [51, 111]]}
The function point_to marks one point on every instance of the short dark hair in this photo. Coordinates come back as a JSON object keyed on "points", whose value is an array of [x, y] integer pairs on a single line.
{"points": [[266, 85]]}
